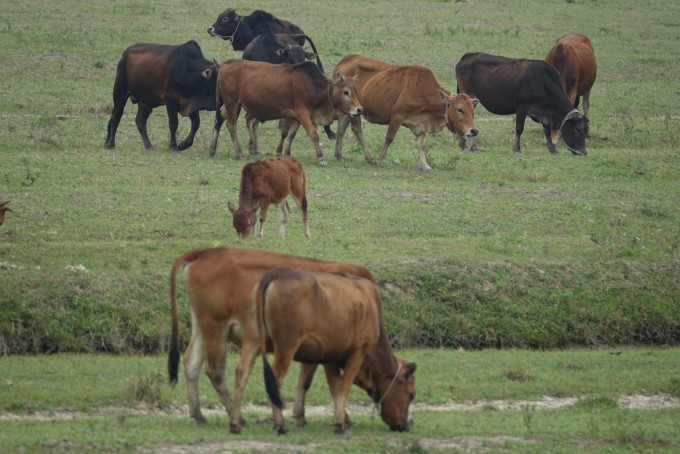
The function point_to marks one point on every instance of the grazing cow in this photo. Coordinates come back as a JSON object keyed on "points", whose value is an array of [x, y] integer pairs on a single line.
{"points": [[300, 94], [403, 95], [219, 283], [4, 207], [334, 320], [269, 181], [507, 86], [574, 58], [241, 30], [153, 75]]}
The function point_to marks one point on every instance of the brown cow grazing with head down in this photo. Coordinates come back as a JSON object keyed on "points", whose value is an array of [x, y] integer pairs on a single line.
{"points": [[507, 86], [299, 93], [153, 75], [574, 58], [269, 181], [219, 283], [4, 207], [403, 95], [334, 320]]}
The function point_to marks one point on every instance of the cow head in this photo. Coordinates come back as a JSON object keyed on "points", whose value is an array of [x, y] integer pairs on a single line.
{"points": [[573, 131], [4, 207], [226, 25], [344, 95], [244, 219], [294, 53], [392, 393], [460, 113]]}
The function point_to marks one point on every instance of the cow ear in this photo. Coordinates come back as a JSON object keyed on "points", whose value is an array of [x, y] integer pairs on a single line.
{"points": [[409, 369], [475, 101], [340, 78], [280, 52], [231, 207], [207, 73], [310, 55], [445, 97]]}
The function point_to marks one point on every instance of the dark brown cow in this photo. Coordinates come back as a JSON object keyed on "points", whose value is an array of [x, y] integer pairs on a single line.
{"points": [[241, 30], [574, 58], [403, 95], [507, 86], [219, 283], [298, 93], [4, 207], [153, 75], [269, 181], [334, 320]]}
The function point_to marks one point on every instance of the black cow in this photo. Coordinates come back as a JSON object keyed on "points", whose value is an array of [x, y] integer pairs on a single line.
{"points": [[241, 30], [507, 86], [153, 75], [280, 48]]}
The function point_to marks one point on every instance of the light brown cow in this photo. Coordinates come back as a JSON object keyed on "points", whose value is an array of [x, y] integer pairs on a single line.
{"points": [[269, 181], [219, 283], [298, 93], [334, 320], [4, 207], [574, 58], [403, 95]]}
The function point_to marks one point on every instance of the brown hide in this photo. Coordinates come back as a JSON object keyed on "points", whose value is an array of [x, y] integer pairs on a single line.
{"points": [[219, 283], [269, 181], [334, 320], [298, 93], [403, 95], [4, 207], [574, 58]]}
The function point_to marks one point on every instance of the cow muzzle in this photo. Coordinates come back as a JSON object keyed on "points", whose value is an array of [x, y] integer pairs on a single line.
{"points": [[472, 132], [357, 112]]}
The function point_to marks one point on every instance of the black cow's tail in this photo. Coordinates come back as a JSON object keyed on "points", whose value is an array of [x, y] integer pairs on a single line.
{"points": [[270, 382]]}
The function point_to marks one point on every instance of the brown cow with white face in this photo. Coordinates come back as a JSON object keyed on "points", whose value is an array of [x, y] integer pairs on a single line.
{"points": [[574, 58], [219, 283], [269, 181], [4, 207], [403, 95], [334, 320], [300, 94]]}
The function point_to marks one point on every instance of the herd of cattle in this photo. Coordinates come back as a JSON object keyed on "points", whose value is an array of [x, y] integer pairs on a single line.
{"points": [[307, 310]]}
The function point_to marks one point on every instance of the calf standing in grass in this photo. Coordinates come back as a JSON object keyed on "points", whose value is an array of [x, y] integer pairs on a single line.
{"points": [[269, 181], [4, 206]]}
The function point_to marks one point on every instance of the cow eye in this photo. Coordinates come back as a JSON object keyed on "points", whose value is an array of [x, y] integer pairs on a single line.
{"points": [[346, 92], [460, 111]]}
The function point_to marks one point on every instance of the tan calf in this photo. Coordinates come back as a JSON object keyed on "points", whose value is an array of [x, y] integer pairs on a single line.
{"points": [[269, 181]]}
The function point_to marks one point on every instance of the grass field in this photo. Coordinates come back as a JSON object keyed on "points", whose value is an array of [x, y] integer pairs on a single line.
{"points": [[490, 249]]}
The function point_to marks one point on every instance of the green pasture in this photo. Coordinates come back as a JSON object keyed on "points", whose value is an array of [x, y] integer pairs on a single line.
{"points": [[494, 267]]}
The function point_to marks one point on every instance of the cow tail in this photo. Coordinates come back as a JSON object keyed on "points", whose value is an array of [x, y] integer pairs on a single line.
{"points": [[270, 382], [173, 355]]}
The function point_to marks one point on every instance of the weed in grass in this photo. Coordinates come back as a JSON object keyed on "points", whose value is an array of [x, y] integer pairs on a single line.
{"points": [[518, 375], [598, 402], [147, 390], [528, 412]]}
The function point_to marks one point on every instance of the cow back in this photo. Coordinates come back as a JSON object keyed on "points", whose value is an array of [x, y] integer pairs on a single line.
{"points": [[574, 58]]}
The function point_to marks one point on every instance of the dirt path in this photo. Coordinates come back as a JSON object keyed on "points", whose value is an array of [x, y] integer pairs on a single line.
{"points": [[636, 402]]}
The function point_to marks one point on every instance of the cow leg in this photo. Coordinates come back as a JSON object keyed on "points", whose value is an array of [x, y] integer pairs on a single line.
{"points": [[216, 356], [395, 122], [143, 113], [282, 361], [301, 200], [289, 129], [520, 118], [263, 214], [195, 124], [343, 122], [547, 131], [340, 386], [194, 357], [173, 123], [285, 211], [232, 116], [252, 124], [359, 134], [586, 109], [119, 101], [420, 142], [249, 351], [216, 128], [304, 383], [310, 128]]}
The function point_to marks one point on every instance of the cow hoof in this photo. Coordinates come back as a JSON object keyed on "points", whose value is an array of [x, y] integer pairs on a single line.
{"points": [[339, 157], [200, 419], [341, 428], [372, 161], [281, 430], [426, 168], [239, 157], [322, 162], [301, 422], [234, 428]]}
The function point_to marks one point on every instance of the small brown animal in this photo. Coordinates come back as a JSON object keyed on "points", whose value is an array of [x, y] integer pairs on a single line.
{"points": [[269, 181], [4, 207], [574, 58], [334, 320]]}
